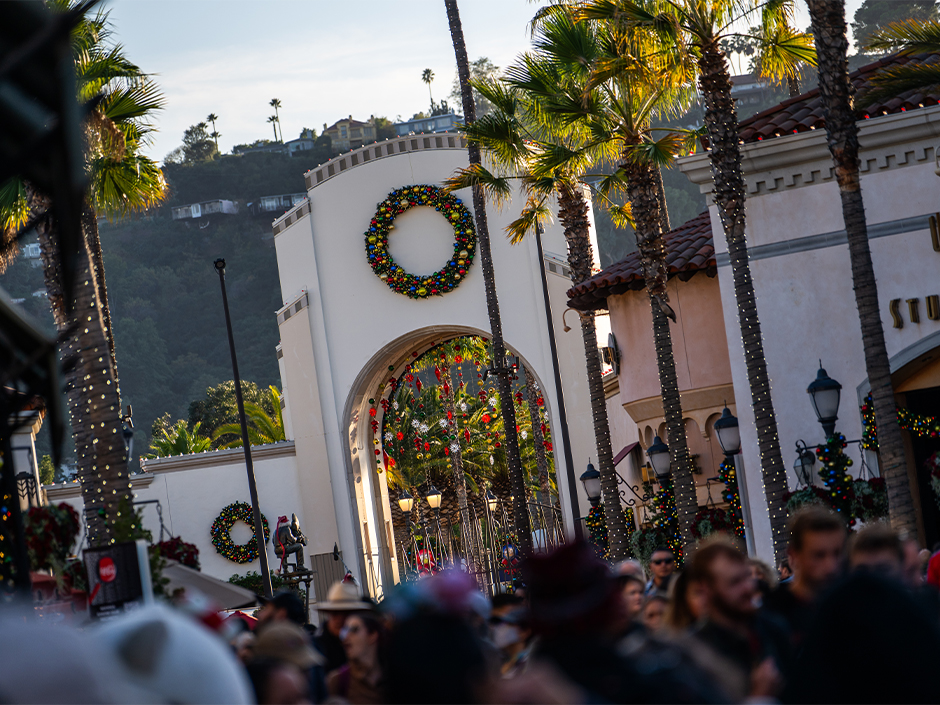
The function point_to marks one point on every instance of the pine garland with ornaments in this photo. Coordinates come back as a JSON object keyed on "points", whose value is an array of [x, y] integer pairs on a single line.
{"points": [[222, 537], [920, 425], [380, 259], [730, 494], [834, 472]]}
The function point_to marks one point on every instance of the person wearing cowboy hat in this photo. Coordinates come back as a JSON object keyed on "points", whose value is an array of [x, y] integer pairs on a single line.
{"points": [[342, 600]]}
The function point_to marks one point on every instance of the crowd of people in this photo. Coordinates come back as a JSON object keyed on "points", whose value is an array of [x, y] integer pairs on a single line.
{"points": [[845, 618]]}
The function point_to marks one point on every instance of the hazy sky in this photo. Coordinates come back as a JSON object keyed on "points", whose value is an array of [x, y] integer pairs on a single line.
{"points": [[324, 59]]}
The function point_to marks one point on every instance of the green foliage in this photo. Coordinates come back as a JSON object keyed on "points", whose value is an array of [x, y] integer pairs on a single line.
{"points": [[243, 178], [169, 328], [252, 581], [481, 70], [220, 408], [383, 129], [198, 146], [263, 427], [874, 15], [46, 470], [179, 440]]}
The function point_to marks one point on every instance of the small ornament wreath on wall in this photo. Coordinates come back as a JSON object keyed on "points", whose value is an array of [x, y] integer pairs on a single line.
{"points": [[222, 537], [412, 285]]}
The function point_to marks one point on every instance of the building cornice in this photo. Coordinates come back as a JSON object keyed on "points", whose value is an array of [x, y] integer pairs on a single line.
{"points": [[231, 456], [773, 165]]}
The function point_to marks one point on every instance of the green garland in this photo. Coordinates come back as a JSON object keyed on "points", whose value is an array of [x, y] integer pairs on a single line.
{"points": [[222, 538], [920, 425], [411, 285], [730, 494]]}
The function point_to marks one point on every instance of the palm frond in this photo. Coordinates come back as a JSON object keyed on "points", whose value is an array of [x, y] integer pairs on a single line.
{"points": [[783, 50], [907, 37], [621, 215], [14, 209], [495, 187], [536, 211], [131, 183], [895, 80]]}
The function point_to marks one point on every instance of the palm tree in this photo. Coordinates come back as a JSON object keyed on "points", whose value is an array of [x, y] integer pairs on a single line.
{"points": [[693, 30], [549, 125], [427, 76], [263, 428], [215, 134], [835, 88], [179, 440], [276, 104], [120, 179], [273, 122], [520, 510]]}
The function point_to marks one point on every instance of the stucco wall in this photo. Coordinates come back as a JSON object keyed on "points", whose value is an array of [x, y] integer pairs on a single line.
{"points": [[358, 327], [192, 490], [805, 298]]}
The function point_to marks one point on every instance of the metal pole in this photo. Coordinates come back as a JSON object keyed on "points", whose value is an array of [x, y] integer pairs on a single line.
{"points": [[560, 394], [252, 487]]}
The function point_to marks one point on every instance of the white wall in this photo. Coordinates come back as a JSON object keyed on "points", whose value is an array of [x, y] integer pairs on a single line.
{"points": [[805, 299], [193, 490]]}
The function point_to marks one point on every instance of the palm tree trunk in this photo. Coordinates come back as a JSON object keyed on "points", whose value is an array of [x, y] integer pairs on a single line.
{"points": [[92, 393], [645, 191], [828, 17], [721, 120], [90, 225], [572, 214], [520, 510], [538, 441], [793, 86]]}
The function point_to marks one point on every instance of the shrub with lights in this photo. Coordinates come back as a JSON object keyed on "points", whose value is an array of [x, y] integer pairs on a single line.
{"points": [[664, 524], [222, 537], [597, 528], [417, 286]]}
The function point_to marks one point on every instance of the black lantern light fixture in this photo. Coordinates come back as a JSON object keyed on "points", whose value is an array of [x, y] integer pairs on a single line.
{"points": [[658, 454], [591, 479], [491, 500], [434, 497], [406, 502], [825, 393], [728, 432], [803, 467]]}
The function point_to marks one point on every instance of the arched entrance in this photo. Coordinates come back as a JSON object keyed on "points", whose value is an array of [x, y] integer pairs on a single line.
{"points": [[424, 417], [345, 331]]}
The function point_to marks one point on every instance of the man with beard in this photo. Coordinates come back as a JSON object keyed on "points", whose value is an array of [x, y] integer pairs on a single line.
{"points": [[753, 646], [817, 543]]}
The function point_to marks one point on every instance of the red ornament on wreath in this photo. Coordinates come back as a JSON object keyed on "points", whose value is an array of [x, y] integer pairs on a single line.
{"points": [[420, 286]]}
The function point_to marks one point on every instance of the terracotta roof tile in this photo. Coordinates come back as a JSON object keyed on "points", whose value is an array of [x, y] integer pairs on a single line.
{"points": [[804, 112], [689, 249]]}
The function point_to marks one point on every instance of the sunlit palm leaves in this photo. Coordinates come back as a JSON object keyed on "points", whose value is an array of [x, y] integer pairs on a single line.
{"points": [[907, 38]]}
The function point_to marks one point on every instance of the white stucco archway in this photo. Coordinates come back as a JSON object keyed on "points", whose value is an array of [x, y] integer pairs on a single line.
{"points": [[342, 327]]}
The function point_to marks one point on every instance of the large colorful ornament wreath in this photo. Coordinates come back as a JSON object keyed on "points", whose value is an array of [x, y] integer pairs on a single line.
{"points": [[451, 274], [222, 538]]}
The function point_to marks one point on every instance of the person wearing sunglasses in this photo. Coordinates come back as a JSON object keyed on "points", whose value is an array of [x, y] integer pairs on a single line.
{"points": [[663, 569]]}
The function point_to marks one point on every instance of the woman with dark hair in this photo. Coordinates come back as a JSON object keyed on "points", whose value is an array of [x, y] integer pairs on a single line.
{"points": [[686, 604], [361, 679]]}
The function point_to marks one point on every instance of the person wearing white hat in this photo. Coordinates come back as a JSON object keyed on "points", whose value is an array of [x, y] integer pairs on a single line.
{"points": [[342, 600]]}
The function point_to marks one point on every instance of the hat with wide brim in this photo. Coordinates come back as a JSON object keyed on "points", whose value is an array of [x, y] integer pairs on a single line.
{"points": [[344, 597]]}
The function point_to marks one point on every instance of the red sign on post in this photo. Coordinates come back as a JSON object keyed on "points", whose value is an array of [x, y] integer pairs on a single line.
{"points": [[107, 571]]}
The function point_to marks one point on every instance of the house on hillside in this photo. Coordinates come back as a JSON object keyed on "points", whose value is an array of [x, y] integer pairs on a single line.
{"points": [[349, 134], [437, 123], [276, 204], [259, 147], [199, 210], [305, 142]]}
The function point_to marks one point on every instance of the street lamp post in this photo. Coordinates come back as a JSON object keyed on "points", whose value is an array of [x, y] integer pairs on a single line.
{"points": [[658, 454], [252, 487], [591, 479], [825, 394]]}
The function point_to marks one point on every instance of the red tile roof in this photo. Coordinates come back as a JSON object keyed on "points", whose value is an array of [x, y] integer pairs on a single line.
{"points": [[689, 247], [804, 112]]}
